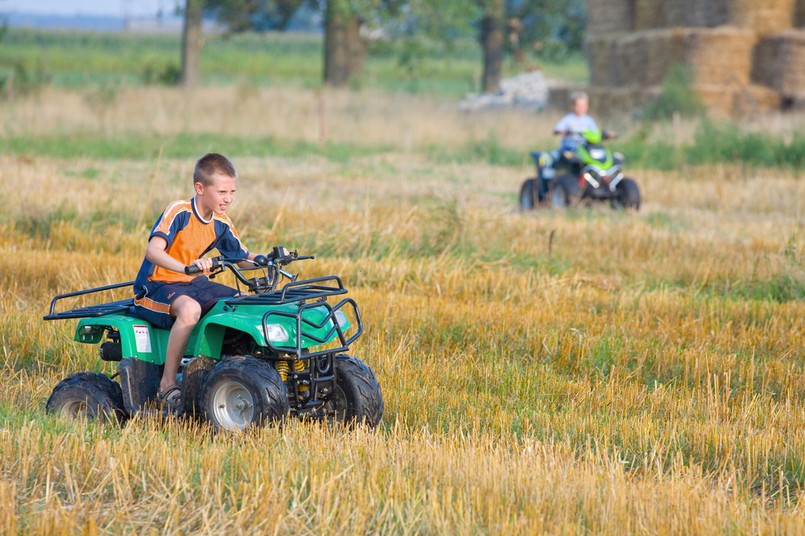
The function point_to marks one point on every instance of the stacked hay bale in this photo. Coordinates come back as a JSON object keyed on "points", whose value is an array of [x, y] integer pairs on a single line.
{"points": [[742, 54], [765, 17], [779, 63]]}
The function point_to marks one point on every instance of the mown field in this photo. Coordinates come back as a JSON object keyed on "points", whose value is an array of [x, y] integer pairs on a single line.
{"points": [[581, 371]]}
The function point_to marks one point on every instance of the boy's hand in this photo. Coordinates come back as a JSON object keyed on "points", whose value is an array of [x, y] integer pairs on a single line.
{"points": [[204, 265]]}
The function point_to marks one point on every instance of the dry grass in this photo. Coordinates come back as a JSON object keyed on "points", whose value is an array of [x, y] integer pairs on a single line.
{"points": [[560, 372]]}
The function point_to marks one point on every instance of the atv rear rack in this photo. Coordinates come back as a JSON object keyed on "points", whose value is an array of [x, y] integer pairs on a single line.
{"points": [[90, 310]]}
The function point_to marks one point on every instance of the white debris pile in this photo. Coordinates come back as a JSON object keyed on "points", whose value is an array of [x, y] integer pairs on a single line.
{"points": [[527, 90]]}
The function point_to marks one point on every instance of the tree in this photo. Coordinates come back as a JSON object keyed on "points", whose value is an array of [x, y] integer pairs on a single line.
{"points": [[192, 41], [492, 43], [344, 49]]}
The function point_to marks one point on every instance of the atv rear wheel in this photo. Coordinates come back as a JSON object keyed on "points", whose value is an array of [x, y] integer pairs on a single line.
{"points": [[243, 391], [628, 195], [528, 194], [89, 395], [563, 190], [358, 399]]}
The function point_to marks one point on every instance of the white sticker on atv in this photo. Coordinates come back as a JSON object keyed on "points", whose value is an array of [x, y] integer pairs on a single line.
{"points": [[142, 338]]}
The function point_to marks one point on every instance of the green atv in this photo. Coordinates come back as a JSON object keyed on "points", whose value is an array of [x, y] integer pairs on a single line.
{"points": [[590, 173], [253, 359]]}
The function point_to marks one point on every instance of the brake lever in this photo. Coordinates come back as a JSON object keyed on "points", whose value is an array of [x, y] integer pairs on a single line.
{"points": [[290, 276]]}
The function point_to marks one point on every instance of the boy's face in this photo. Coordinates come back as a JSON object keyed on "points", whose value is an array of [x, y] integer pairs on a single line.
{"points": [[217, 196], [580, 106]]}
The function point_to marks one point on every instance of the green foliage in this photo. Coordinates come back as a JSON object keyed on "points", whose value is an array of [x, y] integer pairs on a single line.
{"points": [[166, 74], [676, 97], [727, 143], [716, 143]]}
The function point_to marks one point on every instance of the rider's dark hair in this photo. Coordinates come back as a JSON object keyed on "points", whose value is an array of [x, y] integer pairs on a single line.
{"points": [[212, 164]]}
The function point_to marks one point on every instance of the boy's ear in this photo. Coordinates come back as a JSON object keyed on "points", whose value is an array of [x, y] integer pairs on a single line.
{"points": [[199, 188]]}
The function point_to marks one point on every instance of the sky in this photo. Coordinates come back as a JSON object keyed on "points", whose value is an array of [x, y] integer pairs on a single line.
{"points": [[114, 8]]}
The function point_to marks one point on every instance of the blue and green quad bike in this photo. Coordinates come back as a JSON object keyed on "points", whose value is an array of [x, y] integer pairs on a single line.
{"points": [[590, 173], [253, 359]]}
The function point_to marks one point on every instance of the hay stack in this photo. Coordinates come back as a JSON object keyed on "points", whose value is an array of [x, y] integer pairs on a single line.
{"points": [[763, 16], [719, 56], [799, 14], [647, 15], [737, 101], [779, 63], [664, 48], [602, 57], [633, 59], [609, 16]]}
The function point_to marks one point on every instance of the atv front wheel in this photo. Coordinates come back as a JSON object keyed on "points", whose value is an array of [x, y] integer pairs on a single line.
{"points": [[89, 395], [528, 194], [357, 394], [628, 194], [243, 391], [563, 190]]}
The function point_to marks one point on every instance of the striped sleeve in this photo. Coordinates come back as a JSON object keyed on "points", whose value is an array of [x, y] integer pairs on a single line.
{"points": [[172, 220], [227, 240]]}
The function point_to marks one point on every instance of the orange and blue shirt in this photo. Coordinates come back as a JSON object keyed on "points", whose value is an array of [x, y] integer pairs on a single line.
{"points": [[189, 237]]}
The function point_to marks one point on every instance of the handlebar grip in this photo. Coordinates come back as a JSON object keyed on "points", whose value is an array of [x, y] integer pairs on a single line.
{"points": [[193, 269]]}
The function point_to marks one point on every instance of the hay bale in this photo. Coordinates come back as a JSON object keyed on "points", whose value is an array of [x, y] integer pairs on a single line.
{"points": [[602, 57], [674, 14], [778, 63], [665, 49], [730, 101], [763, 16], [647, 15], [799, 14], [610, 16], [719, 56], [608, 102], [633, 59]]}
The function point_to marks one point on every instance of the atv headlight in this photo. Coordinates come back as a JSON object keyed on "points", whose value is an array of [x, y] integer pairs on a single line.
{"points": [[341, 319], [276, 333], [598, 153]]}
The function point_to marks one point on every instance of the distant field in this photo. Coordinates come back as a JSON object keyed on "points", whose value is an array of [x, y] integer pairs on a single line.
{"points": [[75, 59], [580, 371]]}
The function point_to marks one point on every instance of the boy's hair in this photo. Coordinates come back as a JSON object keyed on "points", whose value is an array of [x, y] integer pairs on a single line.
{"points": [[578, 95], [212, 164]]}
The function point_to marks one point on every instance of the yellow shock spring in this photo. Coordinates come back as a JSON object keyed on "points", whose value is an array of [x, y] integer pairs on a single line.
{"points": [[282, 368], [299, 366]]}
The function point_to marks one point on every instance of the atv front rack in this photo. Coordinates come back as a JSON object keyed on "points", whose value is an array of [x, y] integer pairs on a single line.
{"points": [[307, 289], [90, 310], [304, 327]]}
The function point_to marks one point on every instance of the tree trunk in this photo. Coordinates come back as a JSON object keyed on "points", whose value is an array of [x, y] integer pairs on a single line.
{"points": [[192, 41], [344, 49], [492, 43]]}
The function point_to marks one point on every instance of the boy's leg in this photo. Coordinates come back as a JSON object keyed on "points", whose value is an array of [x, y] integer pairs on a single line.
{"points": [[187, 313]]}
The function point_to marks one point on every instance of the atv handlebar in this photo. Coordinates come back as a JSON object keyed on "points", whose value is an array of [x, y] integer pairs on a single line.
{"points": [[271, 263]]}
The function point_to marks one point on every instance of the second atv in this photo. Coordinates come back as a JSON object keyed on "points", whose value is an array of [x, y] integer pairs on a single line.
{"points": [[590, 173], [253, 359]]}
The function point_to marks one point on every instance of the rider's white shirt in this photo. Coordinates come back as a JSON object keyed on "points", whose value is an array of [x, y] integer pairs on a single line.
{"points": [[576, 124]]}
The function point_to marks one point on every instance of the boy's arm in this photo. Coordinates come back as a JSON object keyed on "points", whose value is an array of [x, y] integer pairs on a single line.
{"points": [[156, 254]]}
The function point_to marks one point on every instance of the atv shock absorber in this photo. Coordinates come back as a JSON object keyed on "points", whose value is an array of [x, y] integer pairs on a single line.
{"points": [[283, 367]]}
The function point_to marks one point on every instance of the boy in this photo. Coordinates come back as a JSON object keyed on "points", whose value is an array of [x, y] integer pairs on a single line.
{"points": [[575, 123], [185, 231]]}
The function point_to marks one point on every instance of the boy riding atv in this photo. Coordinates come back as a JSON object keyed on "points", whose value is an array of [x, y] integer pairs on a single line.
{"points": [[195, 347], [581, 168]]}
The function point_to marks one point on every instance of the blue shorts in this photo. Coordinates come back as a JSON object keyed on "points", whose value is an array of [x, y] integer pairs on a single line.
{"points": [[154, 305]]}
